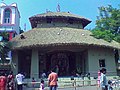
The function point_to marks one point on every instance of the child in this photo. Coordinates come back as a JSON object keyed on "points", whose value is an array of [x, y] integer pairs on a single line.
{"points": [[42, 85], [33, 82], [110, 85], [10, 81], [43, 75]]}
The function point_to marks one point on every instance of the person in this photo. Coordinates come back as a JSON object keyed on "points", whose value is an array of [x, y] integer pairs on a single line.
{"points": [[42, 85], [110, 85], [10, 81], [19, 78], [103, 79], [33, 82], [52, 80], [57, 69], [43, 75], [99, 74], [89, 79], [3, 81]]}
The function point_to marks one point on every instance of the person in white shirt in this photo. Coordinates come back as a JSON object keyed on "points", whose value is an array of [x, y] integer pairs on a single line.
{"points": [[19, 79], [103, 79]]}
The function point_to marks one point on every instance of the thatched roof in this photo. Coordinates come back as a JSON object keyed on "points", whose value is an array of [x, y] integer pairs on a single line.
{"points": [[64, 15], [40, 37]]}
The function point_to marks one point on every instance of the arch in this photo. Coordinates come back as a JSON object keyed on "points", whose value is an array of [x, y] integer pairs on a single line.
{"points": [[62, 60], [7, 16], [65, 60]]}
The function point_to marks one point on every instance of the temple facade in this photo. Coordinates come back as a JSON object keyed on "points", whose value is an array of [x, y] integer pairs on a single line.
{"points": [[59, 38]]}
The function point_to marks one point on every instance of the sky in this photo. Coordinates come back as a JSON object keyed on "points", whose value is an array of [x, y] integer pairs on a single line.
{"points": [[84, 8]]}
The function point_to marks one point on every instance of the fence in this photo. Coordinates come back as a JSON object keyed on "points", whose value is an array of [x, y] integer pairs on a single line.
{"points": [[75, 83]]}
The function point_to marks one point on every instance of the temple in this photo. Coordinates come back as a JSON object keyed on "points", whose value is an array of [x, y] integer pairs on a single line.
{"points": [[59, 38]]}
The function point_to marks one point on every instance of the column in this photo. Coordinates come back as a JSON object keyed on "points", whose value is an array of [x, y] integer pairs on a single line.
{"points": [[78, 62], [14, 62], [119, 54], [34, 64]]}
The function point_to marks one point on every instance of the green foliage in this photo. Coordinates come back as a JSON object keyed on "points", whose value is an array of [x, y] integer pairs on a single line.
{"points": [[5, 46], [108, 24], [5, 36], [117, 38], [106, 34]]}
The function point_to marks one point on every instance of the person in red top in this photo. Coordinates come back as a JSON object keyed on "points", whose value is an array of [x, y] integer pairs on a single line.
{"points": [[52, 80], [3, 80], [10, 81]]}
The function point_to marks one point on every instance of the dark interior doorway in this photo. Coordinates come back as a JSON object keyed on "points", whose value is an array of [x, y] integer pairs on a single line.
{"points": [[65, 60], [24, 62]]}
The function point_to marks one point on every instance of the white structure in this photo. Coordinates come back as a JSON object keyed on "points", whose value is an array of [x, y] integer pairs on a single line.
{"points": [[9, 19]]}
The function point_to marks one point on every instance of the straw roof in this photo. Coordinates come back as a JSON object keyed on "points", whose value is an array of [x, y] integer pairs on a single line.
{"points": [[40, 37], [85, 21]]}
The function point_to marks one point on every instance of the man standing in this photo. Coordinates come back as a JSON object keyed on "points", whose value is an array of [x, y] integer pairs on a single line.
{"points": [[52, 80], [19, 78], [103, 79]]}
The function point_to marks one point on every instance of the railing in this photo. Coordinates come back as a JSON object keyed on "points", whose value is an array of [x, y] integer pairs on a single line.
{"points": [[76, 83], [66, 83]]}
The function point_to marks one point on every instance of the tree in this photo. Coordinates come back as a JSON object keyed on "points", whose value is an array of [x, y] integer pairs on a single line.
{"points": [[5, 46], [108, 24]]}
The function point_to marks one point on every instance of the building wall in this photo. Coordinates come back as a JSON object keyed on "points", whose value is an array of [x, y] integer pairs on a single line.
{"points": [[1, 17], [87, 60], [60, 24], [17, 21], [13, 26], [94, 54], [12, 14], [15, 18]]}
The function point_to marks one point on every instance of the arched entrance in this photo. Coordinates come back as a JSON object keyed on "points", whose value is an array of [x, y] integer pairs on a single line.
{"points": [[64, 60]]}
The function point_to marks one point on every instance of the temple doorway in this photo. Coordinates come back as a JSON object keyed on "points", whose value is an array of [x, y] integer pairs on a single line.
{"points": [[64, 60]]}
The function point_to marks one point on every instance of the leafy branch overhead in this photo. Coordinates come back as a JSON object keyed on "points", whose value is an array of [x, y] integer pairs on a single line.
{"points": [[108, 24], [5, 45]]}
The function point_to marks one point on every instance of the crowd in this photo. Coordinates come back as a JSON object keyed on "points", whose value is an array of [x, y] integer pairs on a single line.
{"points": [[52, 79], [7, 81], [11, 82]]}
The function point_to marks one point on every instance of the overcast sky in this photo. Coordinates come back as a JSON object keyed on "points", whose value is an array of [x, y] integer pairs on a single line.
{"points": [[85, 8]]}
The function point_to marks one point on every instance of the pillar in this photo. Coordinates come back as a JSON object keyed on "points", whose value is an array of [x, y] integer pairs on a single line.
{"points": [[14, 62], [34, 64], [78, 62], [119, 54]]}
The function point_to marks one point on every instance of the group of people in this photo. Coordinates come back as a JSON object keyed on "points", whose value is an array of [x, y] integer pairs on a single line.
{"points": [[7, 82], [52, 81], [52, 78]]}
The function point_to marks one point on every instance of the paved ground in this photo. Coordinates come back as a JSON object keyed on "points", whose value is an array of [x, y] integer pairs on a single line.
{"points": [[77, 88], [81, 88]]}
